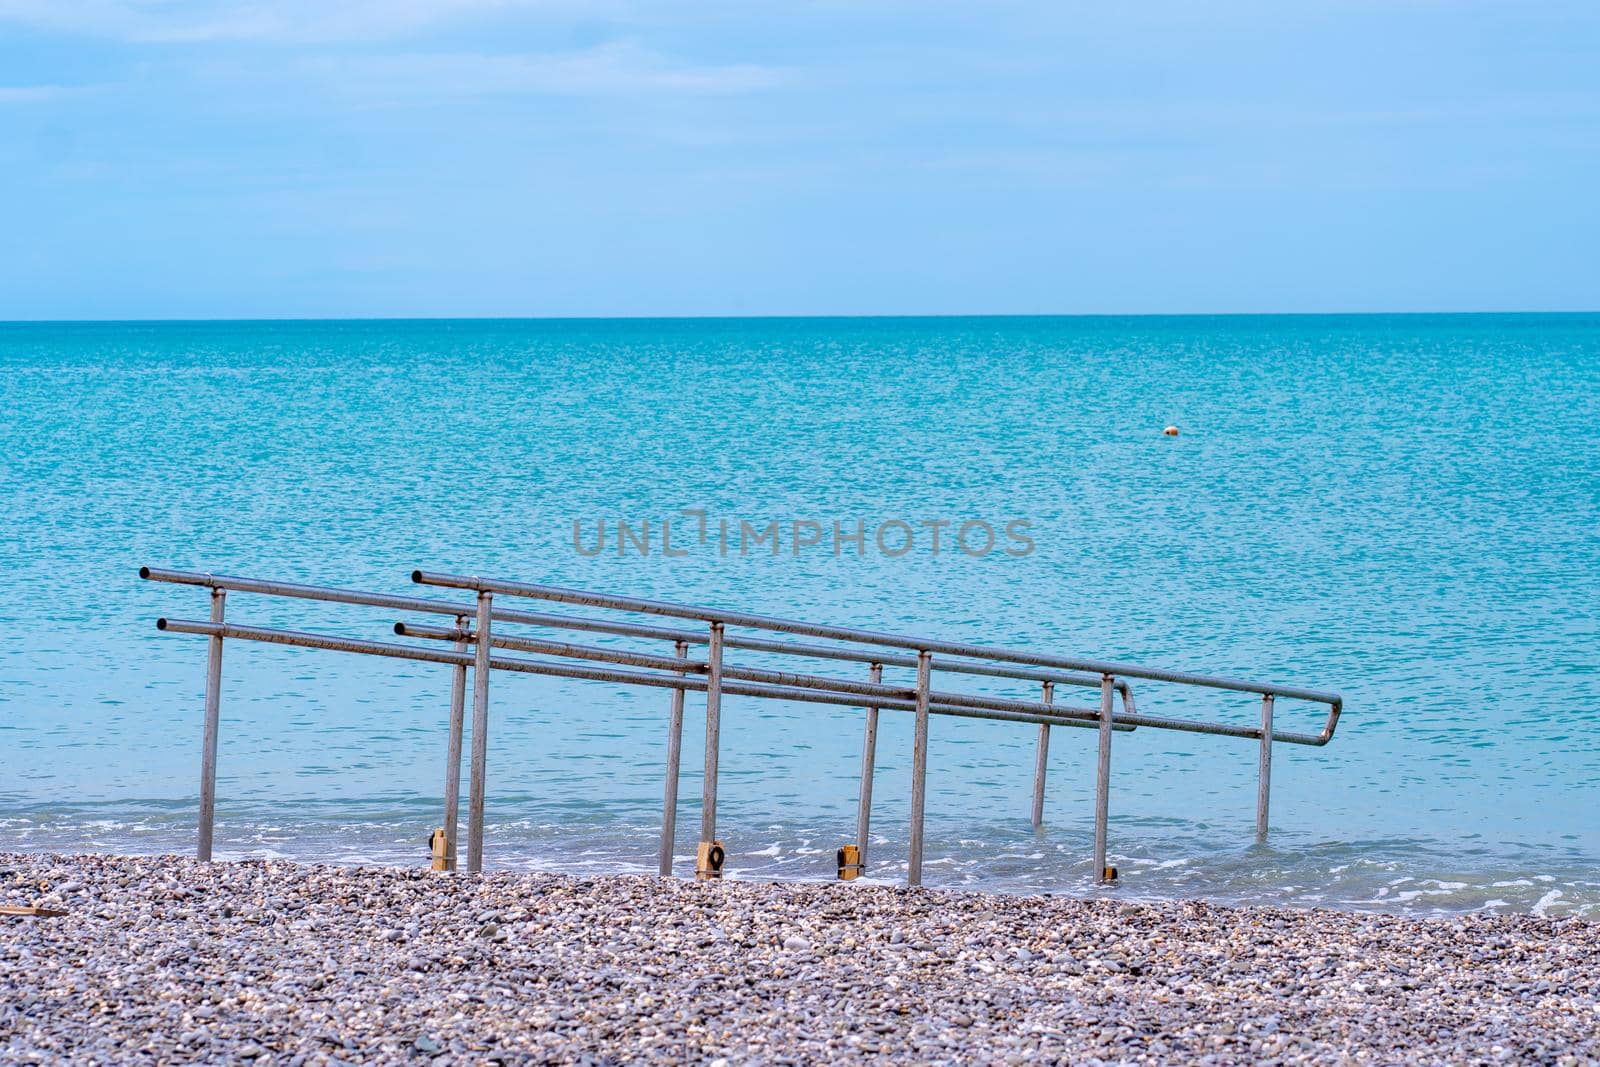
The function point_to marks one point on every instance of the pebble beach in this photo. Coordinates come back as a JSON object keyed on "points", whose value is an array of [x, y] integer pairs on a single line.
{"points": [[167, 960]]}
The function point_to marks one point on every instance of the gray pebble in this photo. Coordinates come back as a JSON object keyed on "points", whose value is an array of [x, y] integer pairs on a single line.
{"points": [[310, 965]]}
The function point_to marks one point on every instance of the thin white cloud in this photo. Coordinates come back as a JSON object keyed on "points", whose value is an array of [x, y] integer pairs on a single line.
{"points": [[182, 21], [28, 94], [619, 68]]}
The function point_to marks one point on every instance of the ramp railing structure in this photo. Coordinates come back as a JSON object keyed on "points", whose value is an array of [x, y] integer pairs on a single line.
{"points": [[476, 644]]}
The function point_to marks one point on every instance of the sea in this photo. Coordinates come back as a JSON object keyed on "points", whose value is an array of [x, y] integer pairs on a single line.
{"points": [[1399, 508]]}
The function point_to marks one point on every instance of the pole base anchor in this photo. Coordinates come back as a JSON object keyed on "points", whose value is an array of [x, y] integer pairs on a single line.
{"points": [[709, 859], [850, 865]]}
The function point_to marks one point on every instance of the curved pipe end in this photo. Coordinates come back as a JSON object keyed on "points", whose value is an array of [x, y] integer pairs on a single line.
{"points": [[161, 624], [400, 629], [144, 572], [416, 577], [1334, 711]]}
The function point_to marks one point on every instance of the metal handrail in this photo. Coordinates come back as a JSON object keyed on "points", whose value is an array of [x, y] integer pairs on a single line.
{"points": [[328, 594], [925, 649], [1086, 717], [562, 595], [478, 648], [390, 650]]}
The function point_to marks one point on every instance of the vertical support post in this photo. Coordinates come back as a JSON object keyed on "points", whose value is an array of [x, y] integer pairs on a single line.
{"points": [[480, 733], [452, 758], [1264, 779], [1042, 760], [869, 758], [669, 804], [919, 768], [1102, 789], [708, 795], [208, 744]]}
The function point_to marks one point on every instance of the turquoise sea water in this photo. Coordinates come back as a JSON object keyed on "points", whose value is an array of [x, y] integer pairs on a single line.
{"points": [[1402, 508]]}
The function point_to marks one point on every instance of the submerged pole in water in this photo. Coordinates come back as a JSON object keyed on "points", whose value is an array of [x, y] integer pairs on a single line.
{"points": [[869, 758], [709, 861], [1041, 761], [1264, 776], [208, 744], [452, 759], [480, 734], [1102, 788], [919, 768], [669, 804]]}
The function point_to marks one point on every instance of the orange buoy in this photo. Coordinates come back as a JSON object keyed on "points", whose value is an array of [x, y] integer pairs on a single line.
{"points": [[1171, 431]]}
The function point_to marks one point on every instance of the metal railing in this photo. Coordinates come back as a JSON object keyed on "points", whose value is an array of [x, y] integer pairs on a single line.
{"points": [[476, 645]]}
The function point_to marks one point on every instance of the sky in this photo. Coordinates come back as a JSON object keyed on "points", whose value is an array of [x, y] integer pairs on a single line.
{"points": [[185, 159]]}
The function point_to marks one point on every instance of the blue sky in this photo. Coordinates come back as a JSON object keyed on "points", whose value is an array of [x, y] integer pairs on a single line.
{"points": [[490, 157]]}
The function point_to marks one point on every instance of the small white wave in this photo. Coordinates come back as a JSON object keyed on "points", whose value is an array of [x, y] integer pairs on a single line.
{"points": [[1543, 905], [1413, 894]]}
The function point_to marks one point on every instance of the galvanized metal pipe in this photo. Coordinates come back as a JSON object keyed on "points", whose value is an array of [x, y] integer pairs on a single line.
{"points": [[786, 648], [303, 639], [217, 631], [321, 593], [947, 666], [452, 762], [1087, 717], [939, 702], [299, 591], [558, 648], [708, 793], [869, 759], [769, 684], [869, 637], [1041, 761], [208, 742], [1102, 787], [328, 594], [480, 733], [1334, 701], [919, 769], [1066, 716], [1264, 774], [669, 803]]}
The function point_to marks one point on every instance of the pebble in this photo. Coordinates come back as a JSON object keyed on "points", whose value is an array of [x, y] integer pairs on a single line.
{"points": [[165, 960]]}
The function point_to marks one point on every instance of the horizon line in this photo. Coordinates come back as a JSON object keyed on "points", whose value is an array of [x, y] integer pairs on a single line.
{"points": [[110, 321]]}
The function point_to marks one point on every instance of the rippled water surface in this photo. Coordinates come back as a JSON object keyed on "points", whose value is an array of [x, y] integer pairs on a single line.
{"points": [[1400, 508]]}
